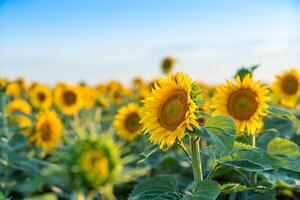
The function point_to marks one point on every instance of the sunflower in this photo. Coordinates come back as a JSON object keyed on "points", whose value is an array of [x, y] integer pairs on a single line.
{"points": [[94, 162], [41, 96], [127, 121], [89, 96], [3, 84], [286, 88], [169, 110], [48, 130], [168, 64], [13, 89], [68, 98], [245, 101], [19, 105]]}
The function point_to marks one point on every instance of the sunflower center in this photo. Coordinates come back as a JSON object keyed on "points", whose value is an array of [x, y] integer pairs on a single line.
{"points": [[69, 97], [290, 85], [132, 122], [46, 131], [172, 111], [242, 104], [41, 96]]}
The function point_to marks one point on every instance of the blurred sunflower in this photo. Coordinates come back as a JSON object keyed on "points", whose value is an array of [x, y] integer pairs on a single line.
{"points": [[68, 98], [127, 121], [41, 96], [13, 89], [245, 101], [3, 83], [19, 105], [286, 88], [95, 162], [168, 64], [48, 130], [169, 110], [103, 101], [89, 96]]}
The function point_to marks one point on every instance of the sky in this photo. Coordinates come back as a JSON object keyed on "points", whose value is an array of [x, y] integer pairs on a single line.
{"points": [[99, 40]]}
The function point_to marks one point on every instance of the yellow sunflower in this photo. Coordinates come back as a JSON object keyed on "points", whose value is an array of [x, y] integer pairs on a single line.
{"points": [[286, 88], [48, 130], [89, 96], [95, 162], [245, 101], [41, 96], [168, 64], [68, 98], [3, 83], [13, 89], [19, 105], [127, 121], [169, 110]]}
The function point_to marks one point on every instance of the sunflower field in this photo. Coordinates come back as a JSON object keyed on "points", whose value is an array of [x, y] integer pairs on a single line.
{"points": [[171, 138]]}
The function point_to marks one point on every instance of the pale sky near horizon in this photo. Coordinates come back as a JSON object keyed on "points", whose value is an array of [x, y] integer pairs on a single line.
{"points": [[73, 40]]}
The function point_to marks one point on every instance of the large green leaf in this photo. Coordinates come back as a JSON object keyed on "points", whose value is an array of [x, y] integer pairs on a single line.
{"points": [[221, 131], [156, 188], [250, 159], [282, 146], [283, 113], [206, 190], [265, 137]]}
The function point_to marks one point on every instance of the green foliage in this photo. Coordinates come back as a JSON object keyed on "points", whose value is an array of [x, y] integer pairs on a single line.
{"points": [[157, 188], [283, 113], [283, 147], [166, 188], [243, 71], [220, 131]]}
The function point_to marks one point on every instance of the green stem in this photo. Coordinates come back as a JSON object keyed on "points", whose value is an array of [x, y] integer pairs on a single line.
{"points": [[181, 145], [196, 159], [253, 175]]}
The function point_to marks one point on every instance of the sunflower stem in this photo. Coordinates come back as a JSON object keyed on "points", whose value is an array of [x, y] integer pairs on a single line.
{"points": [[196, 159], [253, 175], [181, 145]]}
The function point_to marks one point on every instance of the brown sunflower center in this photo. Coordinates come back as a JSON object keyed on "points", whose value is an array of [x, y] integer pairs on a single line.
{"points": [[41, 96], [290, 85], [242, 104], [69, 97], [173, 110], [46, 131], [132, 122]]}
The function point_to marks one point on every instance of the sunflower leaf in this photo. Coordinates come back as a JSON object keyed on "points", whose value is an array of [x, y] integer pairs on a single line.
{"points": [[158, 188], [221, 132], [282, 113], [281, 146], [205, 190]]}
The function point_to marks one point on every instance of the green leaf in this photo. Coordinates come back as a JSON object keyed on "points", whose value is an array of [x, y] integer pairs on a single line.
{"points": [[31, 185], [265, 137], [156, 188], [255, 195], [17, 141], [148, 152], [243, 71], [281, 146], [283, 113], [42, 197], [2, 197], [221, 131], [250, 159], [206, 190], [233, 187]]}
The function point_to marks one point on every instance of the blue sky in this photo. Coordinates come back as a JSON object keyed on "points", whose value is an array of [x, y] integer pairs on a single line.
{"points": [[95, 40]]}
